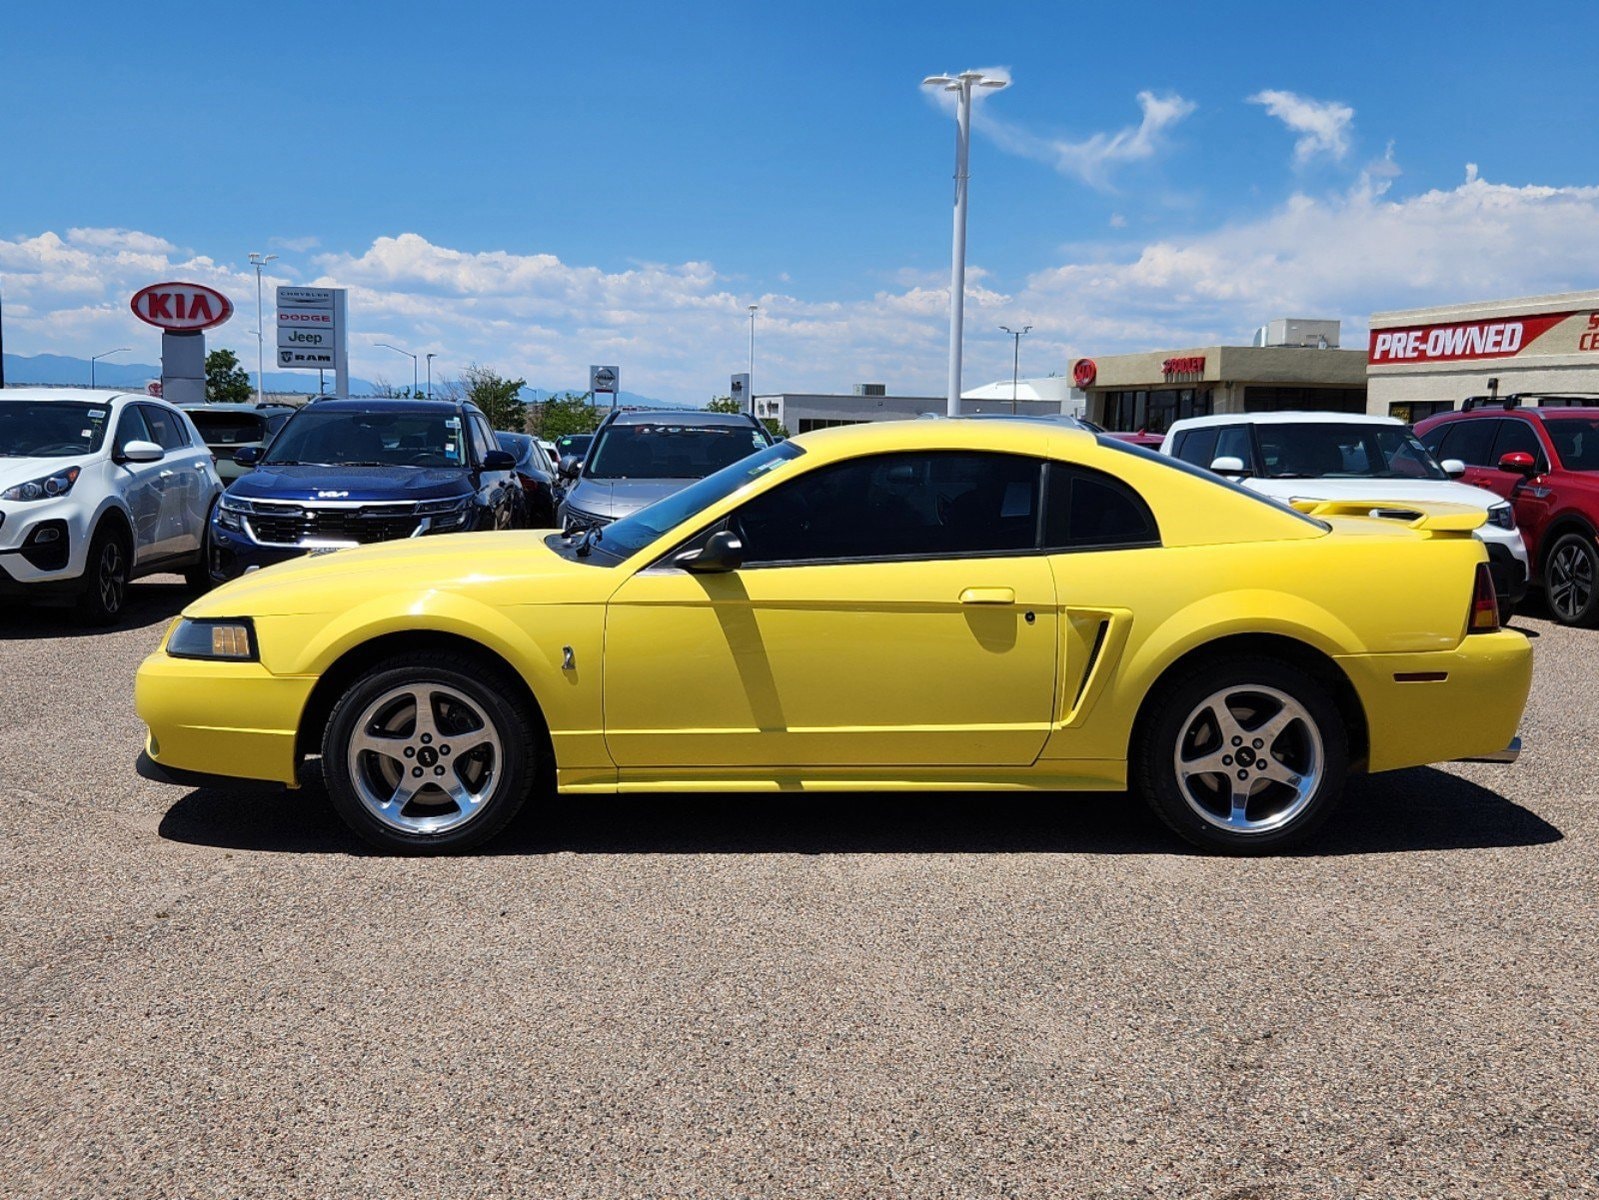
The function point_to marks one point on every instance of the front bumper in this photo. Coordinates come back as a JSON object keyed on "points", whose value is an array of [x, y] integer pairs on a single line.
{"points": [[1509, 573]]}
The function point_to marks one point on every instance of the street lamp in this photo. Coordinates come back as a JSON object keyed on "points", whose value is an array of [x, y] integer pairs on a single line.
{"points": [[754, 308], [93, 358], [1015, 360], [961, 85], [258, 261], [412, 357], [431, 357]]}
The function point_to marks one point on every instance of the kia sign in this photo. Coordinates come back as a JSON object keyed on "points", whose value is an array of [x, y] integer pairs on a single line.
{"points": [[1498, 337], [1084, 372], [181, 307]]}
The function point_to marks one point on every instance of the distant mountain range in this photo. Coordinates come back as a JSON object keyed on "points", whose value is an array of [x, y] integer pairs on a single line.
{"points": [[57, 370]]}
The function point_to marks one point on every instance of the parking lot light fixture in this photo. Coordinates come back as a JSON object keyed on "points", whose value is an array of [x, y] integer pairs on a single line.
{"points": [[258, 260], [412, 357], [1015, 359], [431, 356], [961, 86], [94, 358]]}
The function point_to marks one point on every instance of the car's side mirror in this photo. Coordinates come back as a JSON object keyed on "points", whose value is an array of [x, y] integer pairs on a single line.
{"points": [[1453, 467], [569, 467], [141, 452], [248, 456], [722, 552], [499, 460], [1519, 462], [1227, 464]]}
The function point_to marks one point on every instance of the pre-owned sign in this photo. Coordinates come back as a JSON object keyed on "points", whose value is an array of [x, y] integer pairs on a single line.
{"points": [[181, 307], [1495, 337]]}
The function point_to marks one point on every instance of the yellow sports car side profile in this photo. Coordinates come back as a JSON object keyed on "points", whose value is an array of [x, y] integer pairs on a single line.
{"points": [[917, 605]]}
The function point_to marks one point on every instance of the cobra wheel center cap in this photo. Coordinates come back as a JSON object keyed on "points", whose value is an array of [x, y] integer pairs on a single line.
{"points": [[427, 756], [1245, 756]]}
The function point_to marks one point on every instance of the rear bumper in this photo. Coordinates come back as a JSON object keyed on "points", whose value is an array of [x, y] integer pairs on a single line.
{"points": [[1464, 703], [1508, 755]]}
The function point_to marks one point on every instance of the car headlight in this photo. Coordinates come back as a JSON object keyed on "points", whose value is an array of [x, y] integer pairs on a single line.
{"points": [[1503, 516], [444, 514], [231, 639], [47, 488], [231, 512]]}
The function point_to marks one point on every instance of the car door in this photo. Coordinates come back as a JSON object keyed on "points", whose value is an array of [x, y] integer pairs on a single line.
{"points": [[1471, 440], [139, 484], [892, 610], [183, 481], [494, 487], [1529, 495]]}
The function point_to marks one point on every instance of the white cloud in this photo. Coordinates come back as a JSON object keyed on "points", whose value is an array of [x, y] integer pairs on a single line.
{"points": [[1095, 158], [680, 329], [1323, 124]]}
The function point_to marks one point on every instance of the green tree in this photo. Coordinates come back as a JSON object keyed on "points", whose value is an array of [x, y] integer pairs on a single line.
{"points": [[726, 404], [570, 412], [225, 380], [498, 396]]}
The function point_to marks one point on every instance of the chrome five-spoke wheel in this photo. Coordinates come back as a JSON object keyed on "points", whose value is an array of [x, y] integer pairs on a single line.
{"points": [[1249, 759]]}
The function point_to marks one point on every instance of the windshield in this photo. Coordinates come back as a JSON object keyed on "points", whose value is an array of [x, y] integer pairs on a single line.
{"points": [[668, 450], [632, 533], [229, 429], [576, 444], [381, 439], [524, 449], [1342, 450], [50, 429], [1576, 440]]}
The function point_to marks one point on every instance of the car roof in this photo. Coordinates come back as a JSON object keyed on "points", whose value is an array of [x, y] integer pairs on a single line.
{"points": [[1538, 411], [677, 416], [223, 406], [384, 404], [1288, 418], [1020, 437], [81, 395]]}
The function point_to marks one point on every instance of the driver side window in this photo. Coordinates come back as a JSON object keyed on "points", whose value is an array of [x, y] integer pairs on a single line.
{"points": [[885, 506], [131, 428]]}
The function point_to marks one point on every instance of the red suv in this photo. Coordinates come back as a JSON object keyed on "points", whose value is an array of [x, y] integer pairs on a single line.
{"points": [[1545, 461]]}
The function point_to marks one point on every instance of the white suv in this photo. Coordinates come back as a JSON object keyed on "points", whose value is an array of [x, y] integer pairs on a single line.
{"points": [[96, 489], [1347, 456]]}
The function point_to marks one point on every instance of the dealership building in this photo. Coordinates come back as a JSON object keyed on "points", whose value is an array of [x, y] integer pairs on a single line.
{"points": [[1293, 364], [1427, 360], [801, 412]]}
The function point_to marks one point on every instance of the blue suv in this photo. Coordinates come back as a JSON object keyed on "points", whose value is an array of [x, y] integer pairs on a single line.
{"points": [[347, 472]]}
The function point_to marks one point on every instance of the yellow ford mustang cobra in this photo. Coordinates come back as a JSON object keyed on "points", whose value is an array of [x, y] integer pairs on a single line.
{"points": [[915, 605]]}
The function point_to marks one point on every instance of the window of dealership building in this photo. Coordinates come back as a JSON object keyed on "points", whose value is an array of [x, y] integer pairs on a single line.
{"points": [[1295, 364], [1428, 360]]}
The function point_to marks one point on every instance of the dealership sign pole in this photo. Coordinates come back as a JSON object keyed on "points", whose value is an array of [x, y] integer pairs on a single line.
{"points": [[183, 312], [312, 333]]}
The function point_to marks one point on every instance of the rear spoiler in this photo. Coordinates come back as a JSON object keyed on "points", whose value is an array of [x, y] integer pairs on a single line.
{"points": [[1434, 516]]}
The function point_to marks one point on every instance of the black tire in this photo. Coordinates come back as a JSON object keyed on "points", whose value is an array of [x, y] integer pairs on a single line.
{"points": [[1571, 580], [198, 576], [107, 570], [463, 690], [1287, 796]]}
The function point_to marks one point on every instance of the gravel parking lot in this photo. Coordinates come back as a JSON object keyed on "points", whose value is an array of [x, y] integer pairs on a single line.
{"points": [[211, 995]]}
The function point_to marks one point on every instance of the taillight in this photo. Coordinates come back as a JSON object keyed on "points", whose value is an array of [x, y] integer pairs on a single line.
{"points": [[1484, 616]]}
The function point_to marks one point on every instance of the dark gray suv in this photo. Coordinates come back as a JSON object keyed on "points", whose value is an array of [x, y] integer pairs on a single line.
{"points": [[640, 456]]}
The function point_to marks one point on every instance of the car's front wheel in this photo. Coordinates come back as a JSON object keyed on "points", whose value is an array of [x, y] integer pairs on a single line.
{"points": [[1571, 580], [105, 576], [429, 755], [1244, 756]]}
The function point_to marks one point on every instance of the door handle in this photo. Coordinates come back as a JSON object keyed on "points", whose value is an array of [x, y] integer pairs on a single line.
{"points": [[166, 475], [989, 595]]}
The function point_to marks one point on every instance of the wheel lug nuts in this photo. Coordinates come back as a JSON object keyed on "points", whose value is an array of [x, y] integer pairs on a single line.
{"points": [[410, 752], [417, 771], [426, 738], [1226, 760], [1238, 741], [438, 770], [1243, 774], [1259, 743], [444, 749]]}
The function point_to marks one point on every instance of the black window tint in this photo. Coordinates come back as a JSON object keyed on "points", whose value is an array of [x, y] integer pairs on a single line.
{"points": [[1087, 508], [1199, 446], [1471, 441], [131, 428], [928, 505], [1433, 439], [1516, 436], [1232, 441], [167, 429]]}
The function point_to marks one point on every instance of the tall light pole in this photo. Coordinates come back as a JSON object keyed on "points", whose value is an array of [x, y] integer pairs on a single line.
{"points": [[961, 85], [93, 358], [1015, 360], [410, 356], [431, 357], [754, 308], [258, 261]]}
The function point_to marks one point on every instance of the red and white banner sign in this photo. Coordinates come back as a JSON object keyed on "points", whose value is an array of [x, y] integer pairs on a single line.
{"points": [[181, 307], [1497, 337]]}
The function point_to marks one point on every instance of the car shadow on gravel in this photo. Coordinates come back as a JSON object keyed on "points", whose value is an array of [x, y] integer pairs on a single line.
{"points": [[1423, 809], [150, 602]]}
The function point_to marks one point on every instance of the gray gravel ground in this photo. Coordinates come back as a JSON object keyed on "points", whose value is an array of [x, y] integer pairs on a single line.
{"points": [[208, 995]]}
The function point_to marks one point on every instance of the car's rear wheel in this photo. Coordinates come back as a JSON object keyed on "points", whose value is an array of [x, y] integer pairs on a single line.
{"points": [[430, 755], [1245, 756], [1571, 580], [106, 569]]}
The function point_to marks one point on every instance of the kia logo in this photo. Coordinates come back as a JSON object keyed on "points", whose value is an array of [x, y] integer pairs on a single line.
{"points": [[1084, 372], [181, 307]]}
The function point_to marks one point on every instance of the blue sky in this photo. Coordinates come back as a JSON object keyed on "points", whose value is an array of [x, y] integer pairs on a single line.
{"points": [[539, 186]]}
